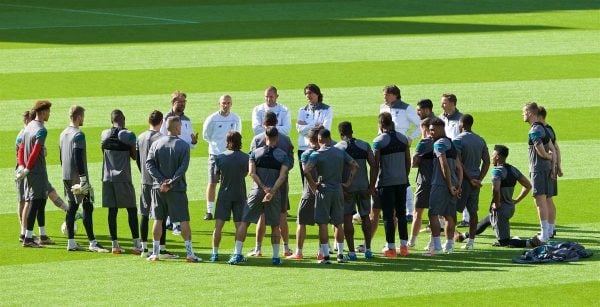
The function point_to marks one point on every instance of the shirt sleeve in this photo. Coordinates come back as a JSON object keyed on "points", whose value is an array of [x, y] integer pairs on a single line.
{"points": [[328, 118], [285, 124], [257, 127], [440, 148], [413, 117], [535, 135]]}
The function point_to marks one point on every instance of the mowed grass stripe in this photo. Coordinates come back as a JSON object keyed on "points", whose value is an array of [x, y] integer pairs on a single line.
{"points": [[420, 276], [245, 78], [475, 98], [294, 51]]}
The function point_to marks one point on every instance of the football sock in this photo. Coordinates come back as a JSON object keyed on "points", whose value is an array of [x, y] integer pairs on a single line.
{"points": [[209, 206], [275, 250], [136, 243], [29, 234], [71, 243], [471, 242], [93, 243], [544, 231], [238, 247], [215, 250], [156, 248], [391, 245], [403, 242], [188, 248], [449, 244], [466, 216], [340, 247], [258, 246], [298, 251], [115, 244], [162, 247], [550, 230], [437, 243], [286, 247], [144, 245], [325, 249], [42, 230]]}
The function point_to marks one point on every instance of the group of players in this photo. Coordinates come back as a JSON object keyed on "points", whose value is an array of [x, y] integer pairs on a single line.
{"points": [[340, 179]]}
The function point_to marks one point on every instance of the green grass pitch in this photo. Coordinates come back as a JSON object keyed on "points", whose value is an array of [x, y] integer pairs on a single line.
{"points": [[494, 55]]}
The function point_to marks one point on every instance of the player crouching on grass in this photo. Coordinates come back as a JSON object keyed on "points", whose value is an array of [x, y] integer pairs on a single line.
{"points": [[268, 168], [502, 208], [167, 162], [73, 159]]}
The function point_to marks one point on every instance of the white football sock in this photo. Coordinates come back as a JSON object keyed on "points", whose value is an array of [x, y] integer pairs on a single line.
{"points": [[466, 215], [238, 247], [188, 248], [156, 248], [340, 247], [209, 206], [275, 250], [325, 249], [42, 231]]}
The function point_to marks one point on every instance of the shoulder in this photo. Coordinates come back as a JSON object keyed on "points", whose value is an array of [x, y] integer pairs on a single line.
{"points": [[341, 145]]}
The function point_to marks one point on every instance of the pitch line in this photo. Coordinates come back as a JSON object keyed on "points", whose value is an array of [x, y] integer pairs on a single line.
{"points": [[99, 13]]}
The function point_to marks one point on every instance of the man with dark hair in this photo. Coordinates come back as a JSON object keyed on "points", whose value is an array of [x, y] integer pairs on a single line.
{"points": [[356, 196], [306, 207], [541, 164], [178, 103], [425, 109], [118, 146], [314, 115], [268, 168], [231, 168], [423, 161], [167, 163], [475, 158], [404, 116], [144, 142], [329, 163], [73, 159], [445, 188], [502, 207], [284, 118], [392, 166], [32, 167], [553, 180], [284, 143]]}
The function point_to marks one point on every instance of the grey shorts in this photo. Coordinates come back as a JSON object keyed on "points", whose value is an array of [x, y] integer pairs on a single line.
{"points": [[36, 186], [553, 188], [20, 185], [118, 195], [254, 208], [329, 207], [500, 220], [173, 204], [357, 200], [225, 208], [540, 182], [469, 198], [306, 211], [422, 196], [145, 199], [212, 169], [284, 197], [441, 202]]}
